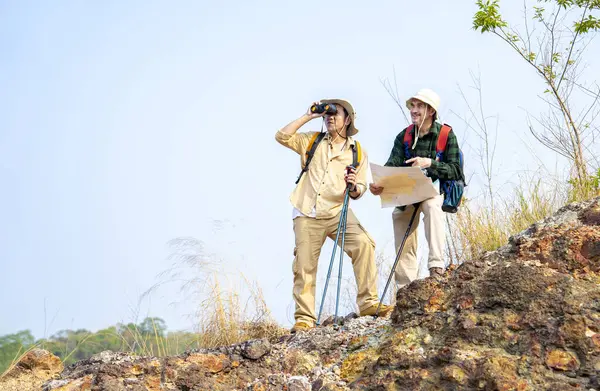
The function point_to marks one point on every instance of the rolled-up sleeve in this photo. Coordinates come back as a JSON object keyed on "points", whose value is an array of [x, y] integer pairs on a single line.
{"points": [[297, 142]]}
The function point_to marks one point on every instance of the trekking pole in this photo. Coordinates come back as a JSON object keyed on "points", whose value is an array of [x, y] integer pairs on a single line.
{"points": [[337, 297], [344, 208], [343, 214], [412, 219], [339, 229]]}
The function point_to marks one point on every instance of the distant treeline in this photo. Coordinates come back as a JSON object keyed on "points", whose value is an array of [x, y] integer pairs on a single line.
{"points": [[150, 337]]}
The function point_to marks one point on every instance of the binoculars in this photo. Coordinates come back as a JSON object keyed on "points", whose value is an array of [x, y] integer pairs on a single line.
{"points": [[323, 108]]}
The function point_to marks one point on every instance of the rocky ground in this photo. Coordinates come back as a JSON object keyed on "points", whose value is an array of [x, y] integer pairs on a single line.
{"points": [[525, 317]]}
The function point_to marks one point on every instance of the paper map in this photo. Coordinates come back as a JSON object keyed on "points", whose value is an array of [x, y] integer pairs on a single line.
{"points": [[402, 185]]}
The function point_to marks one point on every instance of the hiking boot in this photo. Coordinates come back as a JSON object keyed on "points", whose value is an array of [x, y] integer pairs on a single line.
{"points": [[383, 311], [436, 272], [301, 326]]}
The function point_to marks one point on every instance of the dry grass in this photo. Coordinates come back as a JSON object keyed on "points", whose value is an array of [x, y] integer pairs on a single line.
{"points": [[227, 312], [478, 228], [223, 320], [584, 190]]}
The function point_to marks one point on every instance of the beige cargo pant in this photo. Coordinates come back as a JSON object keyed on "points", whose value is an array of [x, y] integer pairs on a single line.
{"points": [[408, 266], [310, 235]]}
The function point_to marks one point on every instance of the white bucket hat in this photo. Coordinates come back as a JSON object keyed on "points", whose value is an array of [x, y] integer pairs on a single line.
{"points": [[351, 131], [426, 96]]}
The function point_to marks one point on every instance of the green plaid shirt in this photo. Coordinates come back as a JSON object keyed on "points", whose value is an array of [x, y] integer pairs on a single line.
{"points": [[449, 168]]}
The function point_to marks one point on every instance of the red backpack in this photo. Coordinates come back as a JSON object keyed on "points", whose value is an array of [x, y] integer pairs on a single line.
{"points": [[440, 146]]}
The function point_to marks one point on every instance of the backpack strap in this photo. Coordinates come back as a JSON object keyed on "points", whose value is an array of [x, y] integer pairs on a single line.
{"points": [[310, 151], [408, 140], [442, 141], [356, 154]]}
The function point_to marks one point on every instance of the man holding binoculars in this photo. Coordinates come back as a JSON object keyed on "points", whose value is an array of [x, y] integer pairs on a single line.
{"points": [[320, 206]]}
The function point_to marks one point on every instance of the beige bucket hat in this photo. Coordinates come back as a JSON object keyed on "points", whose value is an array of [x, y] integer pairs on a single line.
{"points": [[426, 96], [351, 131]]}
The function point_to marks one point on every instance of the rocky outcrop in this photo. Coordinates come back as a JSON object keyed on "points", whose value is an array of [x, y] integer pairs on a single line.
{"points": [[32, 371], [524, 317], [305, 361]]}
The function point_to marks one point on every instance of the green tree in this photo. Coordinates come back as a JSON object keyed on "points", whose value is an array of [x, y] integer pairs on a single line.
{"points": [[552, 42], [152, 327]]}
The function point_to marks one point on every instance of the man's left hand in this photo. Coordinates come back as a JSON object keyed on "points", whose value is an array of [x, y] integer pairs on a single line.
{"points": [[421, 162], [351, 177]]}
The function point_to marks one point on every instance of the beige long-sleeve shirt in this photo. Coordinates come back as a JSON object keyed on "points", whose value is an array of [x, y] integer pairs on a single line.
{"points": [[323, 186]]}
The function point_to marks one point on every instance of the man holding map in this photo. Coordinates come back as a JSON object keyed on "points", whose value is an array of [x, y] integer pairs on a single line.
{"points": [[418, 149]]}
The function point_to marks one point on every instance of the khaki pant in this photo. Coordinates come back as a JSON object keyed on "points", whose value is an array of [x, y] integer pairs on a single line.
{"points": [[408, 266], [310, 235]]}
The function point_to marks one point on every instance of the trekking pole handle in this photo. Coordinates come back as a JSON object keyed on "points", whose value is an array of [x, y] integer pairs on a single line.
{"points": [[349, 185]]}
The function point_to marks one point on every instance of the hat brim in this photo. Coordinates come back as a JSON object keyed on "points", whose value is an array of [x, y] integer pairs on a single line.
{"points": [[351, 131], [423, 99]]}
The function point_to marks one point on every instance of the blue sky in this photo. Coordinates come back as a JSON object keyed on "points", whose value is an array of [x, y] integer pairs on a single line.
{"points": [[124, 125]]}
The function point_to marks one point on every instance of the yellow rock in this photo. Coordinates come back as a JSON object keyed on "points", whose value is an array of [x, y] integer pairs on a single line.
{"points": [[355, 364], [136, 370], [153, 383], [427, 340], [33, 369], [455, 374], [562, 360], [211, 362], [357, 342], [258, 387], [435, 302], [299, 362], [81, 384], [512, 320]]}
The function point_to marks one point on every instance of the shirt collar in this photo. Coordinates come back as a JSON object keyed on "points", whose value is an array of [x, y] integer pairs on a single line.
{"points": [[433, 130], [351, 141]]}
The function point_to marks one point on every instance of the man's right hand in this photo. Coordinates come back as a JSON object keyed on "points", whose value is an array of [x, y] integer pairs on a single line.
{"points": [[296, 124], [375, 190], [314, 115]]}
